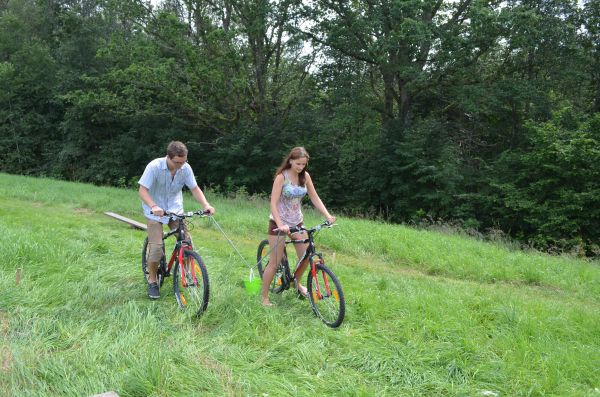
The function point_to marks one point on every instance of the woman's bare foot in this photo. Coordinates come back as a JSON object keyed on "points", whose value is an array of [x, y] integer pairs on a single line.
{"points": [[267, 303], [302, 290]]}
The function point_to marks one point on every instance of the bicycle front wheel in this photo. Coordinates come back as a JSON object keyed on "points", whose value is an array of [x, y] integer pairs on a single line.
{"points": [[190, 284], [326, 296]]}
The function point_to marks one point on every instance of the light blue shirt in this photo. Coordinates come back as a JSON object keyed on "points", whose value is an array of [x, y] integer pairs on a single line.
{"points": [[164, 189]]}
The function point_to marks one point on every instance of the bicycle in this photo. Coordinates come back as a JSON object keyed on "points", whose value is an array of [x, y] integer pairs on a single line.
{"points": [[324, 290], [190, 277]]}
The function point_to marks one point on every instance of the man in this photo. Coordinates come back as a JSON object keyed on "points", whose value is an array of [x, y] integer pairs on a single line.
{"points": [[160, 191]]}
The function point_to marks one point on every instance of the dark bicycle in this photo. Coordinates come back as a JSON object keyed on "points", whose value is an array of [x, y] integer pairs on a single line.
{"points": [[190, 278], [324, 290]]}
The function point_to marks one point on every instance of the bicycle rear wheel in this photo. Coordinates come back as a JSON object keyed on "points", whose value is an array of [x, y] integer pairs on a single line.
{"points": [[277, 284], [262, 259], [162, 266], [190, 284], [326, 296]]}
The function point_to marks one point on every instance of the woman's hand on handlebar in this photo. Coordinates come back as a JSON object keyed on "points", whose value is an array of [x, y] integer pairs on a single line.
{"points": [[211, 210], [330, 219], [284, 229]]}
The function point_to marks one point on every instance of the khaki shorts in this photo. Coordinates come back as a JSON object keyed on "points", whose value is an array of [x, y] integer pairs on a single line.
{"points": [[155, 238]]}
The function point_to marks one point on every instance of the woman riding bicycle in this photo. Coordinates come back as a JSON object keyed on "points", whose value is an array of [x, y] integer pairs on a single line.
{"points": [[290, 185]]}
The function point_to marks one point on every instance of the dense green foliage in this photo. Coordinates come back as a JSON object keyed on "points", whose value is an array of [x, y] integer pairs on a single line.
{"points": [[479, 112], [428, 313]]}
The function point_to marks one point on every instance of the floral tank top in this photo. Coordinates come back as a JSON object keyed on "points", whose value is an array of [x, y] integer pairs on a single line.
{"points": [[289, 204]]}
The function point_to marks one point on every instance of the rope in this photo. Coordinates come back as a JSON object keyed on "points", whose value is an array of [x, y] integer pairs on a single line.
{"points": [[238, 252]]}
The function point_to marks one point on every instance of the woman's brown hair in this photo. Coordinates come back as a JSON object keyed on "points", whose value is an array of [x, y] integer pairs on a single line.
{"points": [[294, 154]]}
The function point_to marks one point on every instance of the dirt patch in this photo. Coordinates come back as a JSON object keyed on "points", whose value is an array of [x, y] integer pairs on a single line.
{"points": [[4, 325], [225, 374], [7, 358], [83, 211]]}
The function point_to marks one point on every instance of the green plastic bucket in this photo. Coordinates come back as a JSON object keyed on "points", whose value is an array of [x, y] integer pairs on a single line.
{"points": [[253, 284]]}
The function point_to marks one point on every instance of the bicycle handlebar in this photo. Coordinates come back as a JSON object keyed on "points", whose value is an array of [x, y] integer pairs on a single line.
{"points": [[188, 214], [313, 229]]}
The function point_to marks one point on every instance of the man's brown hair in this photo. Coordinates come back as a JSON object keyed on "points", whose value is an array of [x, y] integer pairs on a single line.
{"points": [[176, 149]]}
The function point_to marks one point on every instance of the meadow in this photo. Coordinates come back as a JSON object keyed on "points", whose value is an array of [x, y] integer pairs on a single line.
{"points": [[428, 313]]}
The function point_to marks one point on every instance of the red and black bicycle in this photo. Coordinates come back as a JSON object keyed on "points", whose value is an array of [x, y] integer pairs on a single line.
{"points": [[190, 278], [324, 290]]}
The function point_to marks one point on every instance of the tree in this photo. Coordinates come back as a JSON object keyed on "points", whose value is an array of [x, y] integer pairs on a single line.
{"points": [[28, 112], [548, 193], [591, 37]]}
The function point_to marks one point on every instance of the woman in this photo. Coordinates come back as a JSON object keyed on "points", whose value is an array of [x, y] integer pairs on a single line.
{"points": [[291, 184]]}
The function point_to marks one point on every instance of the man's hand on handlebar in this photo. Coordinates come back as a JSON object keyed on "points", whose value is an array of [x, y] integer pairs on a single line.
{"points": [[156, 210]]}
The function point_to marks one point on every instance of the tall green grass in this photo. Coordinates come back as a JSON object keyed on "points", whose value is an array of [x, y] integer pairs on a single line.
{"points": [[427, 313]]}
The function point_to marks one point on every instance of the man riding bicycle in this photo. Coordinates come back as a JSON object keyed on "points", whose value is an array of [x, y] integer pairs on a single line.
{"points": [[161, 190]]}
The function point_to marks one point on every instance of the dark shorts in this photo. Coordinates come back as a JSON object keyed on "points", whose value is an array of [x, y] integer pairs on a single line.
{"points": [[273, 225]]}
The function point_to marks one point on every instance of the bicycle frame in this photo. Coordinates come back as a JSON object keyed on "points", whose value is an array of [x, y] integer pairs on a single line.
{"points": [[309, 254], [181, 245]]}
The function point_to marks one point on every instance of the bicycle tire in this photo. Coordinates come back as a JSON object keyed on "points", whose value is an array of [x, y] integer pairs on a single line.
{"points": [[263, 249], [277, 284], [327, 301], [162, 266], [192, 296]]}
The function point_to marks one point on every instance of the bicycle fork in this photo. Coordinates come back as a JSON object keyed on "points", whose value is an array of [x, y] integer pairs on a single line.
{"points": [[178, 254], [316, 291], [190, 265]]}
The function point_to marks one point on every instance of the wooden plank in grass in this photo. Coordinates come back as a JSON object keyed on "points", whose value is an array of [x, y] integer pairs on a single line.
{"points": [[131, 222]]}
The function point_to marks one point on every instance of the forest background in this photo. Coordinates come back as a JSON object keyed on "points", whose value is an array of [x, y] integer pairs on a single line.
{"points": [[482, 114]]}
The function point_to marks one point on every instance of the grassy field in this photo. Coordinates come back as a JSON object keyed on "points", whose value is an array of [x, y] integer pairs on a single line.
{"points": [[427, 313]]}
